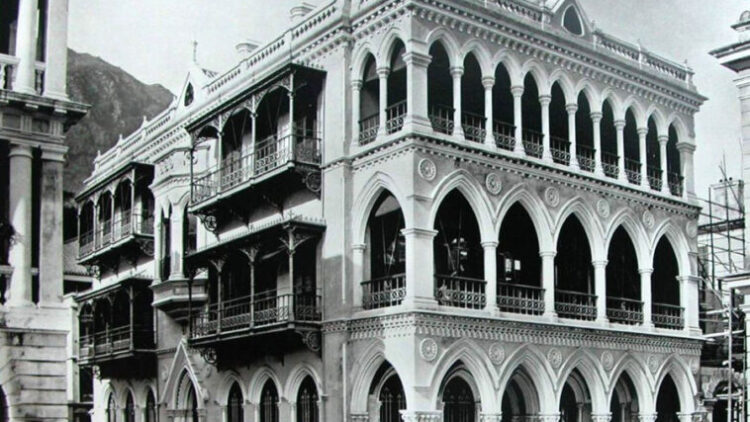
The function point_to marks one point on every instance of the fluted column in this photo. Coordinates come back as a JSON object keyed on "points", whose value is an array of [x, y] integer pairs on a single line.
{"points": [[572, 109], [51, 228], [358, 270], [548, 282], [490, 275], [488, 82], [686, 162], [517, 92], [420, 281], [600, 287], [596, 120], [458, 130], [57, 50], [620, 129], [356, 93], [544, 100], [663, 139], [20, 218], [416, 91], [421, 416], [646, 295], [25, 81], [383, 73], [643, 155]]}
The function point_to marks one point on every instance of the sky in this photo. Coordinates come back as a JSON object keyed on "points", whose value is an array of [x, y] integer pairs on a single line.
{"points": [[153, 41]]}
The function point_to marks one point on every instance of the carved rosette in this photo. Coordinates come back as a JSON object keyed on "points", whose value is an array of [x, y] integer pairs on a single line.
{"points": [[428, 349], [554, 356], [653, 363], [493, 183], [608, 361], [426, 169], [552, 196], [648, 219], [602, 208], [496, 353], [691, 229]]}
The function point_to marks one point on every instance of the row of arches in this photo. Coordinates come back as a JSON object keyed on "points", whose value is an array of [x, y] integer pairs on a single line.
{"points": [[521, 108], [115, 322], [127, 412], [638, 281]]}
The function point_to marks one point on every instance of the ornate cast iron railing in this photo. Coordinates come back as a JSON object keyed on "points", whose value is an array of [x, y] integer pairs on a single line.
{"points": [[520, 299], [368, 128], [460, 292], [441, 117], [586, 157], [504, 134], [111, 231], [633, 171], [473, 126], [532, 143], [675, 183], [395, 115], [624, 311], [560, 150], [114, 340], [575, 305], [667, 316], [654, 177], [383, 292], [610, 164]]}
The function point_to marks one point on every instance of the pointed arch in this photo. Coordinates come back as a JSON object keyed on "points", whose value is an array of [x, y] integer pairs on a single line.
{"points": [[228, 380], [360, 58], [480, 52], [609, 95], [389, 43], [368, 195], [506, 58], [589, 221], [368, 365], [634, 106], [258, 381], [297, 376], [627, 219], [687, 388], [587, 88], [593, 376], [654, 112], [628, 364], [466, 184], [538, 73], [682, 129], [536, 209], [448, 41], [561, 77], [536, 366], [677, 241]]}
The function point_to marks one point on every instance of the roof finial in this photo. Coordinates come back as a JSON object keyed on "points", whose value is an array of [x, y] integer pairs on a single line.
{"points": [[195, 51]]}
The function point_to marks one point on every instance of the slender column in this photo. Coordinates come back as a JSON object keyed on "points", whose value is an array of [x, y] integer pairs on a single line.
{"points": [[643, 155], [57, 50], [689, 302], [663, 139], [251, 262], [517, 92], [572, 109], [176, 243], [158, 242], [356, 92], [253, 142], [646, 295], [416, 91], [291, 115], [686, 150], [20, 218], [51, 228], [548, 282], [420, 280], [490, 275], [488, 82], [544, 100], [600, 287], [358, 272], [596, 120], [620, 128], [383, 73], [26, 47], [458, 129]]}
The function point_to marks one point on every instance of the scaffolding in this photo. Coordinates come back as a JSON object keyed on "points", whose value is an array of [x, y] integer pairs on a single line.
{"points": [[721, 253]]}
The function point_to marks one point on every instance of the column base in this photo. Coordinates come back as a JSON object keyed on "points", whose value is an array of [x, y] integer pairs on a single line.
{"points": [[493, 310], [602, 320], [550, 315], [418, 124], [648, 325], [420, 303], [599, 171], [19, 303]]}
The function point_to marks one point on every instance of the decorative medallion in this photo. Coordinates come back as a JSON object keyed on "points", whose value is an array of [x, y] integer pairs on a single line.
{"points": [[648, 219], [312, 182], [493, 183], [691, 229], [428, 349], [608, 361], [554, 356], [602, 207], [552, 197], [311, 339], [209, 355], [427, 169], [497, 354], [653, 364]]}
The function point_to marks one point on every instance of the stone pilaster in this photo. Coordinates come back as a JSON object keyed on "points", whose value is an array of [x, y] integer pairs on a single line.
{"points": [[420, 282], [20, 218], [490, 275], [548, 282], [600, 287], [51, 228], [416, 92]]}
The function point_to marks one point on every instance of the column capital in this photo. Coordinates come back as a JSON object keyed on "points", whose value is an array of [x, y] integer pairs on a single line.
{"points": [[357, 84], [490, 244], [686, 147], [359, 246], [421, 416], [643, 271], [417, 59], [548, 254], [383, 72], [663, 139], [488, 82], [571, 108], [596, 116], [642, 131], [517, 90], [419, 232], [51, 155], [19, 150], [619, 124], [600, 263], [545, 99], [457, 71]]}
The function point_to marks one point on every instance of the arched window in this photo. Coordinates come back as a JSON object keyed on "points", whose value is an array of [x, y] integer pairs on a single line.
{"points": [[674, 171], [189, 95], [632, 149], [574, 287], [111, 408], [559, 128], [472, 104], [269, 403], [503, 128], [387, 247], [623, 281], [519, 264], [665, 288], [585, 135], [459, 403], [397, 89], [189, 232], [624, 404], [610, 155], [235, 412], [191, 405], [575, 401], [369, 102], [653, 156], [129, 411], [440, 90], [236, 139], [667, 401], [572, 22], [386, 386], [150, 407], [166, 249], [531, 117], [307, 401]]}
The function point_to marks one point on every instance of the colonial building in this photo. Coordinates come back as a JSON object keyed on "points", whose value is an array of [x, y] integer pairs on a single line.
{"points": [[417, 209], [35, 113]]}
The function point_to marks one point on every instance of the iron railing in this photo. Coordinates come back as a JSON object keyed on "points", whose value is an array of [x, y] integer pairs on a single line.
{"points": [[395, 115], [7, 71], [532, 143], [460, 292], [441, 117], [575, 305], [586, 156], [624, 311], [560, 150], [368, 128], [383, 292], [654, 177], [114, 340], [520, 299], [108, 232], [675, 183], [473, 126], [667, 316], [633, 171], [504, 134], [610, 164]]}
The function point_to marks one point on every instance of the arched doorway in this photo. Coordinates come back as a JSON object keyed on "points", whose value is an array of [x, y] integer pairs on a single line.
{"points": [[519, 264], [387, 394], [575, 399], [111, 408], [574, 283], [459, 256], [520, 399], [459, 403], [235, 400], [129, 411], [386, 285], [307, 401], [269, 403], [624, 402], [665, 288], [668, 401], [624, 304]]}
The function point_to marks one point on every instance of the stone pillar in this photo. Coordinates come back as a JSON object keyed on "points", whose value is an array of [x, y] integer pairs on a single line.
{"points": [[356, 91], [572, 109], [420, 280], [490, 275], [176, 243], [383, 73], [663, 139], [26, 47], [51, 228], [490, 417], [416, 91], [596, 120], [600, 287], [421, 416], [458, 130], [20, 218], [686, 150], [620, 128], [517, 92], [57, 50], [358, 272], [544, 100], [643, 156], [548, 282], [689, 302], [646, 295], [488, 82]]}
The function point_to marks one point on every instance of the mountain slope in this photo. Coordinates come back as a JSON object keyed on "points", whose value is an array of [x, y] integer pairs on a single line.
{"points": [[118, 103]]}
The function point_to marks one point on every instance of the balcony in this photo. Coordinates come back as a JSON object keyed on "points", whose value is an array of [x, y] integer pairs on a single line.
{"points": [[532, 143], [586, 157], [575, 305], [668, 316], [520, 299], [610, 164], [560, 150], [395, 115], [504, 134], [368, 128], [383, 292], [112, 344], [441, 117], [675, 183], [460, 292], [633, 171], [128, 230], [473, 126], [174, 297], [624, 311], [654, 177]]}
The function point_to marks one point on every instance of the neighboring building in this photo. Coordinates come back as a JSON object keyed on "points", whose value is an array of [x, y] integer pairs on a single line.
{"points": [[35, 113], [313, 236]]}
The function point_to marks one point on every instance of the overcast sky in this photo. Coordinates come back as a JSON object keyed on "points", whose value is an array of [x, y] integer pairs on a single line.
{"points": [[152, 40]]}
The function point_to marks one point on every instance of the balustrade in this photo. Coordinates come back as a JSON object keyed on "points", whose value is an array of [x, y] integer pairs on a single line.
{"points": [[473, 126], [520, 299], [504, 134], [575, 305], [675, 183], [441, 117], [610, 164], [382, 292], [667, 316], [560, 150], [368, 128], [7, 71], [532, 143], [654, 177], [460, 292], [114, 340], [111, 231], [633, 171], [586, 157], [395, 115], [624, 311]]}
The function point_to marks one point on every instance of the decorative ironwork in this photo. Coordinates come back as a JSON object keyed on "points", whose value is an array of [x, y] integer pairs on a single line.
{"points": [[441, 117], [624, 311], [209, 355], [504, 134], [473, 126], [560, 150], [667, 316], [633, 171], [586, 156], [368, 128], [532, 143], [311, 339], [610, 164], [395, 115], [675, 183], [654, 177], [520, 299], [384, 291], [110, 231], [575, 305], [460, 292]]}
